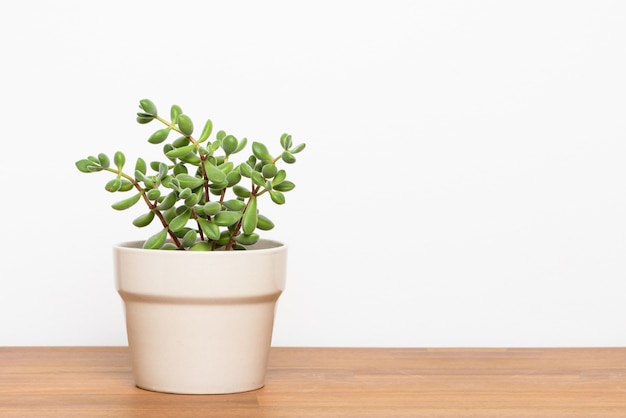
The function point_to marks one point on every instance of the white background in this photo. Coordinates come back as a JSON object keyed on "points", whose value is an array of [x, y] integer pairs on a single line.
{"points": [[463, 184]]}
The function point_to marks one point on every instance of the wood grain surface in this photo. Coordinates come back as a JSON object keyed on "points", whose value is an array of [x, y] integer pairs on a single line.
{"points": [[43, 382]]}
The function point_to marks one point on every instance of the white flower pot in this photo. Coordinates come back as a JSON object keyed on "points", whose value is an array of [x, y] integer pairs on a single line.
{"points": [[200, 322]]}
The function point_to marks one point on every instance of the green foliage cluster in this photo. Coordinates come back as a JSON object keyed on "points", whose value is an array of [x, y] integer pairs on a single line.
{"points": [[202, 200]]}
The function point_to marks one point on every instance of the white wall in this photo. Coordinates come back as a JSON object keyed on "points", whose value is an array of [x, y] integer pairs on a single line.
{"points": [[464, 182]]}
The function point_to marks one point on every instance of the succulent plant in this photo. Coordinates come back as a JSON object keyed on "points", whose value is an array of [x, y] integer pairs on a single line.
{"points": [[202, 200]]}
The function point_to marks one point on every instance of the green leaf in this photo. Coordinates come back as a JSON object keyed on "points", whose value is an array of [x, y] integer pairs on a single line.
{"points": [[189, 238], [185, 124], [148, 106], [180, 221], [104, 161], [206, 132], [241, 191], [285, 141], [179, 152], [119, 158], [201, 246], [153, 194], [191, 158], [235, 205], [247, 239], [284, 186], [168, 202], [209, 228], [159, 136], [211, 208], [187, 181], [249, 221], [87, 166], [227, 218], [245, 170], [213, 173], [269, 170], [257, 179], [175, 111], [297, 149], [279, 177], [264, 223], [113, 185], [156, 241], [233, 178], [229, 144], [260, 151], [126, 203], [288, 157], [192, 200], [126, 186], [277, 197], [242, 144], [143, 220], [140, 166], [144, 118]]}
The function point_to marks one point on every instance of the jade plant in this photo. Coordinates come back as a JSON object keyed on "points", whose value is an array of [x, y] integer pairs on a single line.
{"points": [[201, 199]]}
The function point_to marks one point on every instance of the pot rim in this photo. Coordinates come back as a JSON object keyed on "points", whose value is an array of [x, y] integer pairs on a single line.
{"points": [[264, 245]]}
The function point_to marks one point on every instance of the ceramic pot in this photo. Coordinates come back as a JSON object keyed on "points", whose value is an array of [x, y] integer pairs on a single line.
{"points": [[200, 322]]}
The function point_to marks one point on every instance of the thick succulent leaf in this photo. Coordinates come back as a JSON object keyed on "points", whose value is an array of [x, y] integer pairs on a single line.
{"points": [[211, 208], [264, 223], [242, 144], [144, 118], [148, 106], [153, 194], [159, 136], [279, 177], [285, 141], [201, 246], [249, 221], [126, 186], [113, 185], [229, 144], [126, 203], [245, 170], [213, 173], [185, 124], [247, 239], [140, 166], [269, 171], [227, 218], [185, 180], [156, 241], [104, 161], [143, 220], [175, 111], [233, 178], [285, 186], [180, 221], [87, 166], [209, 228], [277, 197], [189, 238], [234, 204], [241, 191], [260, 151], [288, 157], [179, 152], [120, 159], [206, 131], [257, 178], [297, 149]]}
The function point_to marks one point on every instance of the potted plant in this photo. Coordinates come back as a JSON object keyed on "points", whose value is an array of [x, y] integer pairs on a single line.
{"points": [[200, 293]]}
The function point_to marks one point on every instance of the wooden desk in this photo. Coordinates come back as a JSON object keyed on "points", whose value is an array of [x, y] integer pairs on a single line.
{"points": [[85, 382]]}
